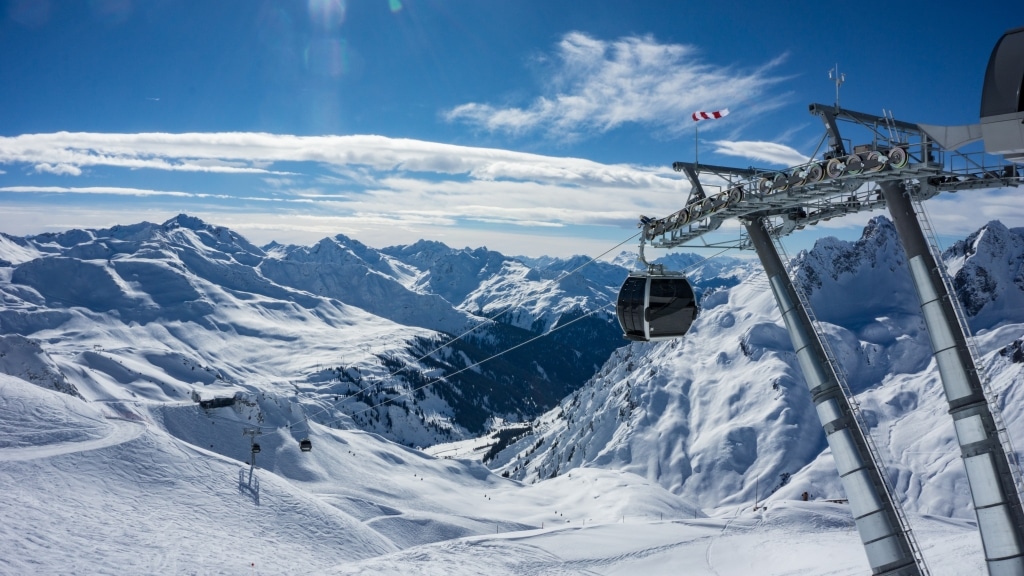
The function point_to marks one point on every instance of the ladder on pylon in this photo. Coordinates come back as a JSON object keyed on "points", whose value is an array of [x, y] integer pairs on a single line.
{"points": [[991, 397], [840, 374]]}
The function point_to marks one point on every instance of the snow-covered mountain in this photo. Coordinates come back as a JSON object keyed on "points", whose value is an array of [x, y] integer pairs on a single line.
{"points": [[163, 311], [386, 337], [988, 268], [27, 360], [723, 416], [137, 488], [110, 465]]}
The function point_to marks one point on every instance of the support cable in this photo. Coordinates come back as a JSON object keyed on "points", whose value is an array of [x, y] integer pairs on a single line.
{"points": [[492, 357], [474, 365], [306, 417], [521, 344], [486, 320]]}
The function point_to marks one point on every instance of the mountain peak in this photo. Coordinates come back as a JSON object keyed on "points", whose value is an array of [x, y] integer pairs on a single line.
{"points": [[218, 237], [988, 238], [986, 268], [419, 246], [186, 221], [878, 226]]}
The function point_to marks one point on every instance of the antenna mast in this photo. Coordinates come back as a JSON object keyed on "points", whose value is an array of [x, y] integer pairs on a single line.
{"points": [[838, 78]]}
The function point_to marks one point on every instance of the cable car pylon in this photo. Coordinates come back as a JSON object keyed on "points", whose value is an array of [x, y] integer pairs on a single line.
{"points": [[887, 538], [252, 484], [991, 473], [897, 165]]}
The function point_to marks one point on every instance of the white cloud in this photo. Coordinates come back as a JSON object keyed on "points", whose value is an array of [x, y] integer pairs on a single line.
{"points": [[111, 190], [964, 212], [372, 184], [599, 85], [383, 191], [67, 153], [253, 152], [59, 169], [770, 152]]}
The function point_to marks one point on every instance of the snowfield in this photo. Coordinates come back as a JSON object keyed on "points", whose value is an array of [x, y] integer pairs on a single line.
{"points": [[133, 362], [94, 493]]}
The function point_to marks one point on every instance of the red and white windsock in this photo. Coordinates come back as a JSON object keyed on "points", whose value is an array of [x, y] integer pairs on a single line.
{"points": [[698, 116]]}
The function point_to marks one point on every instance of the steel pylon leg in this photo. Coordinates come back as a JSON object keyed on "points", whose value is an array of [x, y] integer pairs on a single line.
{"points": [[996, 500], [887, 540]]}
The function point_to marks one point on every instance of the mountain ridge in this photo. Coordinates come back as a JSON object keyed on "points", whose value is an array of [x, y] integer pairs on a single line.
{"points": [[189, 288], [723, 416]]}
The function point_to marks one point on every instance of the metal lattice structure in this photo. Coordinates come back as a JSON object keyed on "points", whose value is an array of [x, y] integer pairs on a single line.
{"points": [[846, 181], [894, 165]]}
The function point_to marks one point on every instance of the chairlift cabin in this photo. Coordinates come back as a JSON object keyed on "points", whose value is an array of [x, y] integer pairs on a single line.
{"points": [[655, 306], [305, 445], [255, 448]]}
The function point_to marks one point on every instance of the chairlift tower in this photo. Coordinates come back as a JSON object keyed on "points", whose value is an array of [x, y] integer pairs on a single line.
{"points": [[897, 166], [883, 529], [254, 448]]}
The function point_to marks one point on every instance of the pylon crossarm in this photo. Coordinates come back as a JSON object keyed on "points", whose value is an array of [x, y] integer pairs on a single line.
{"points": [[839, 184]]}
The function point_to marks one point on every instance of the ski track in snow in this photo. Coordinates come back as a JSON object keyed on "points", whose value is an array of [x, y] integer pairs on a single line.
{"points": [[119, 431], [713, 539]]}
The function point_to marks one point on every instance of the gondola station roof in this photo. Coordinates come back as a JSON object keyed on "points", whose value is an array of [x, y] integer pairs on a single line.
{"points": [[1002, 98]]}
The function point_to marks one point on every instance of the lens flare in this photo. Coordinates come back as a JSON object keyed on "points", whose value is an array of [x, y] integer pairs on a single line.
{"points": [[327, 14], [326, 57], [395, 5]]}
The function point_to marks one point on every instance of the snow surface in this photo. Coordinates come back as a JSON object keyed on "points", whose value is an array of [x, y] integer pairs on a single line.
{"points": [[88, 491], [108, 465]]}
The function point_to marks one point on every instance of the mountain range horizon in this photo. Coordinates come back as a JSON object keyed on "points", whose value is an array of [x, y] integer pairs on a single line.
{"points": [[186, 331]]}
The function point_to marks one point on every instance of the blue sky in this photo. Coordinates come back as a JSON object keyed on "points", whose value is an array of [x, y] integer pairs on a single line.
{"points": [[530, 127]]}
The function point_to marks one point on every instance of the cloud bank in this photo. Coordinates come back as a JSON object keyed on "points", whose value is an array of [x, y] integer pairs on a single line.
{"points": [[372, 186], [381, 190], [255, 153]]}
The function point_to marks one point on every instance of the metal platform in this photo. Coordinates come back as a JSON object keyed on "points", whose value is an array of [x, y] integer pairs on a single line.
{"points": [[845, 181]]}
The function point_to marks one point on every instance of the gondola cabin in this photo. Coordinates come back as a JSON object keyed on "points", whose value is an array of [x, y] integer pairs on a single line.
{"points": [[305, 445], [655, 306], [255, 448]]}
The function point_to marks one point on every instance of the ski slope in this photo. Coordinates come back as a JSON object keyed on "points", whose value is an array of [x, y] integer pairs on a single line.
{"points": [[87, 491], [684, 456]]}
